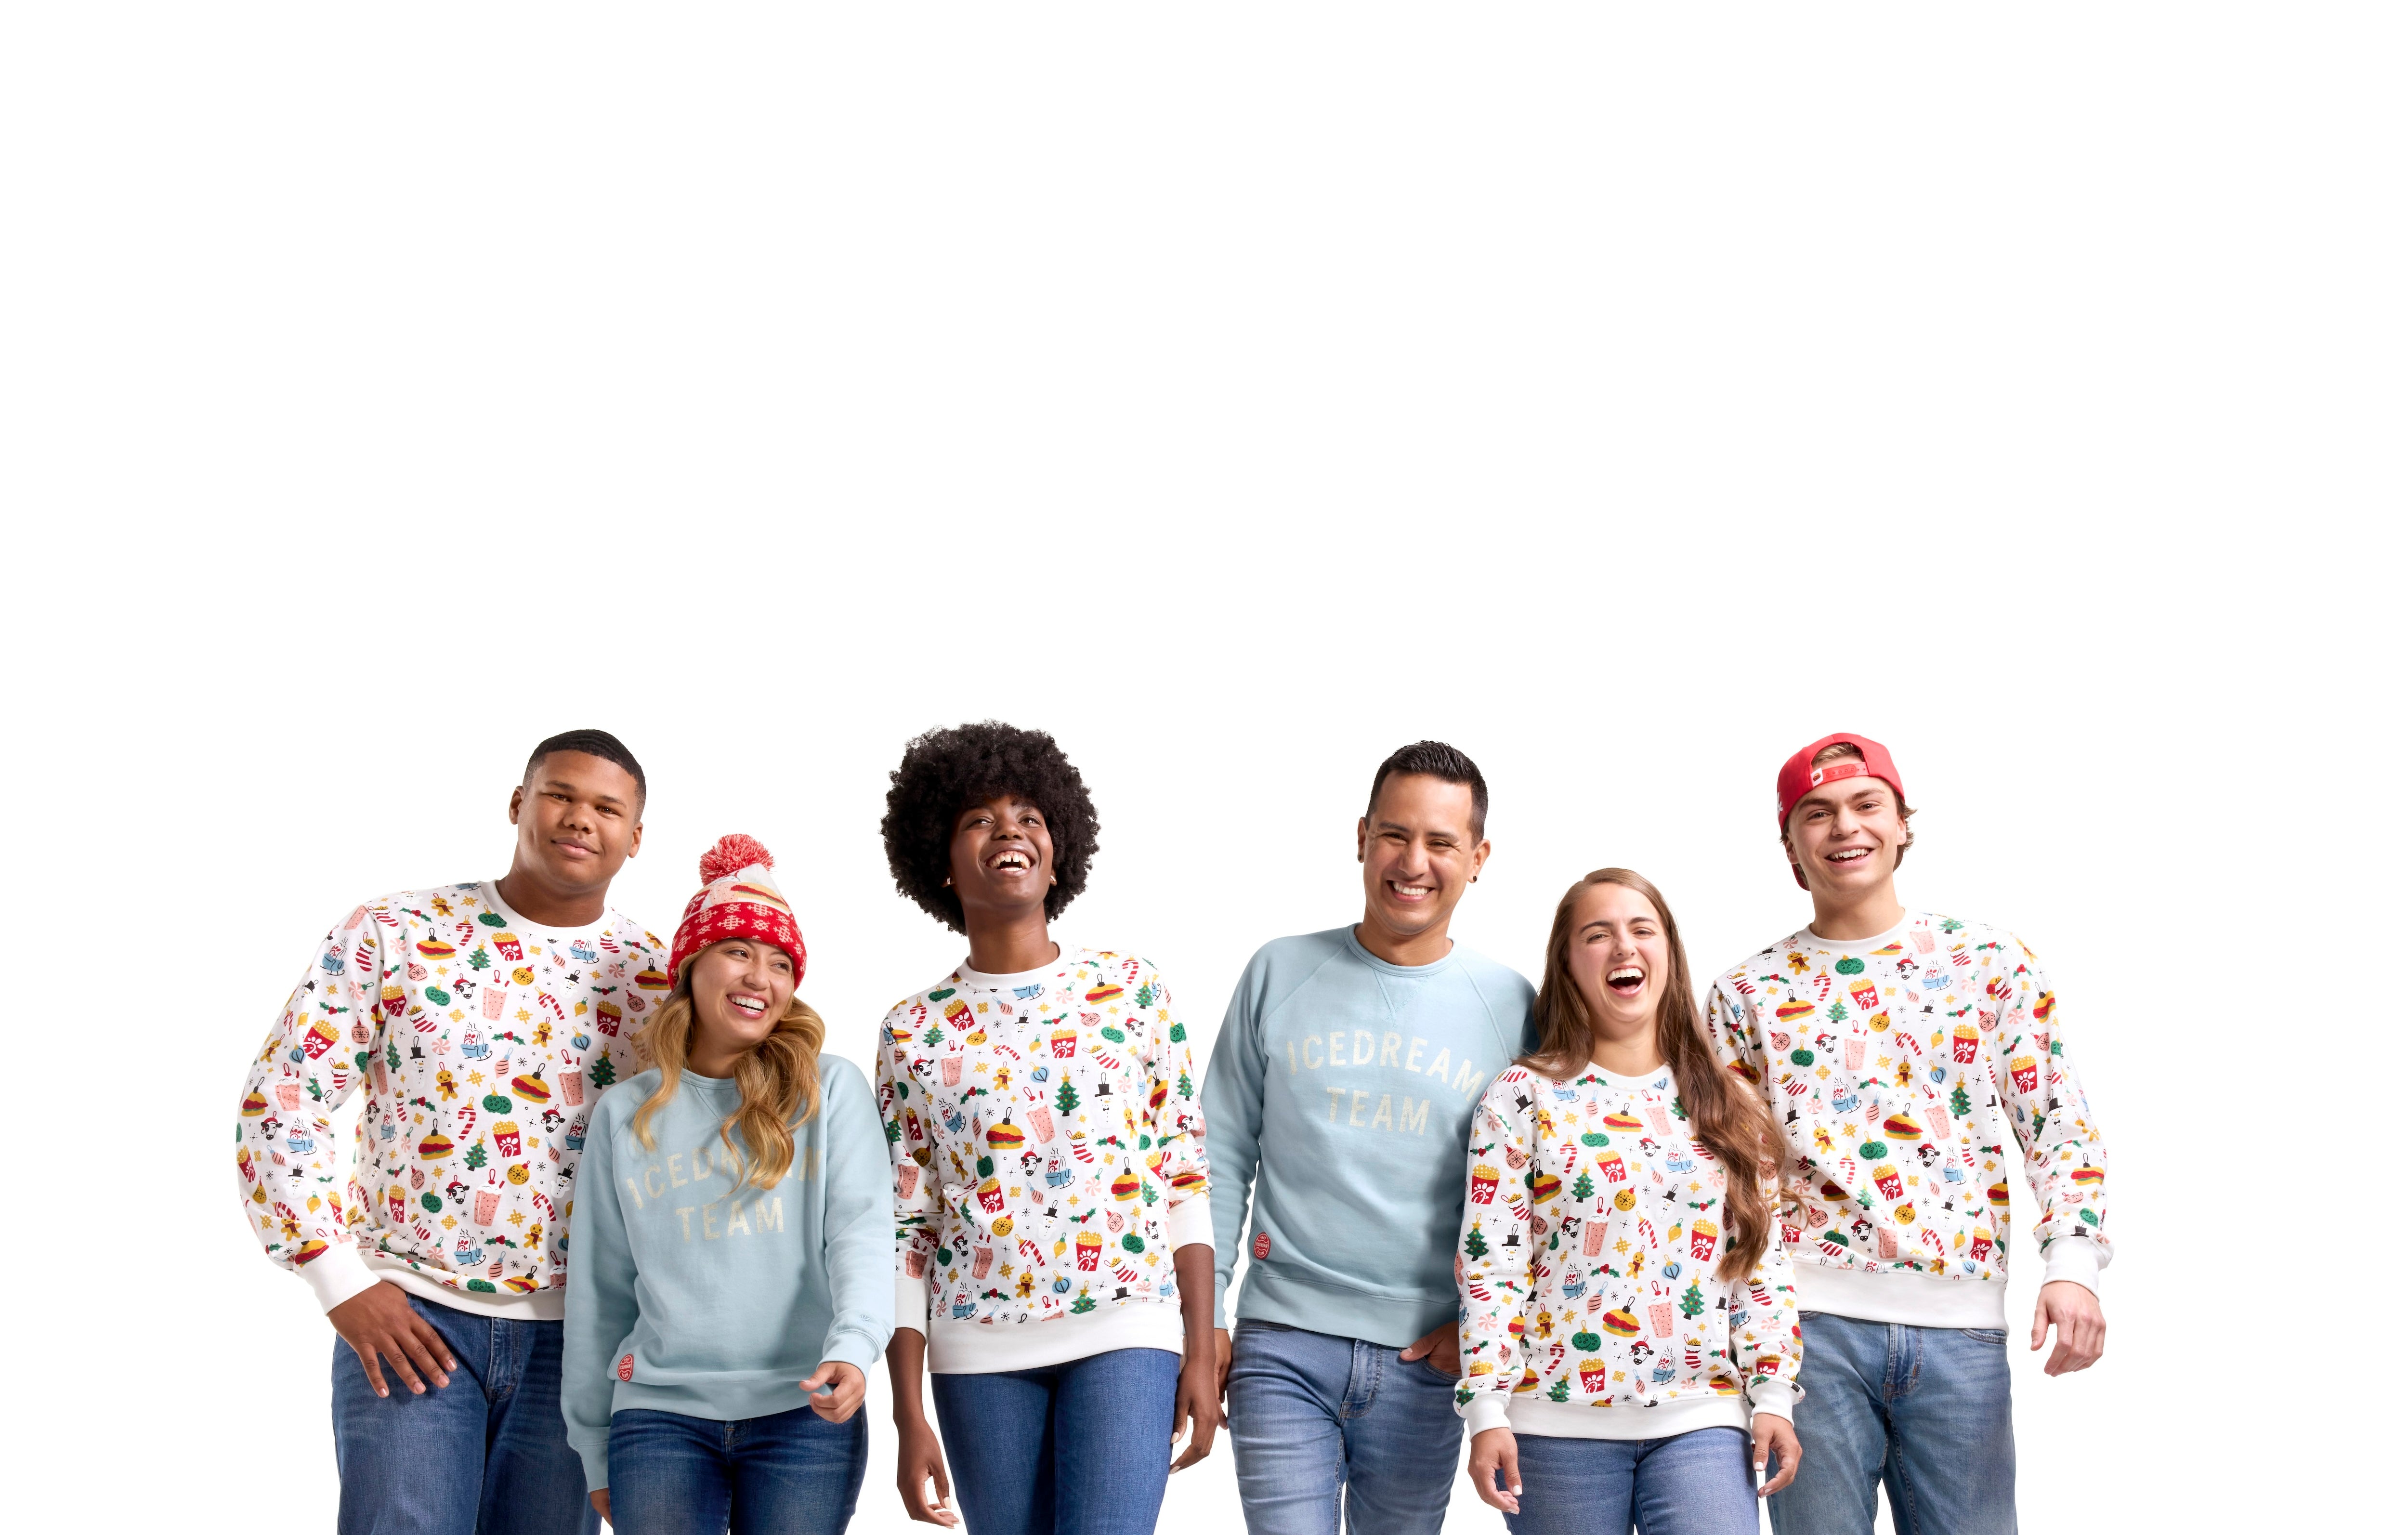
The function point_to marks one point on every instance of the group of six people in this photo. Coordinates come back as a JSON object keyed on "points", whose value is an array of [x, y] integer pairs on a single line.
{"points": [[627, 1241]]}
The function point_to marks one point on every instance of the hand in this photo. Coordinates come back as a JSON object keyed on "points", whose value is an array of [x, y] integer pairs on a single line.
{"points": [[379, 1320], [1198, 1404], [845, 1384], [600, 1499], [1495, 1468], [918, 1461], [2080, 1325], [1443, 1346], [1221, 1345], [1775, 1433]]}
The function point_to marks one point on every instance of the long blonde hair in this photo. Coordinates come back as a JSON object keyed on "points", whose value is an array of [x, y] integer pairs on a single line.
{"points": [[774, 1080], [1730, 1122]]}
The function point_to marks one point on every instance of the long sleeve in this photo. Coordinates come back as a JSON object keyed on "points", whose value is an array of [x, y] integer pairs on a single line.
{"points": [[601, 1298], [1176, 1123], [2065, 1157], [1233, 1106], [856, 1207], [1732, 1027], [1494, 1252], [911, 1143], [291, 1174], [1764, 1340]]}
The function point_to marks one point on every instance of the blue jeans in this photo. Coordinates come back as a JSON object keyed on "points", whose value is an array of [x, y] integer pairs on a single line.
{"points": [[1922, 1411], [792, 1474], [1700, 1482], [1081, 1448], [1321, 1423], [487, 1453]]}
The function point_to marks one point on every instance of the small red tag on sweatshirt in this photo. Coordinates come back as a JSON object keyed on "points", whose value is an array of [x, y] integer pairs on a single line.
{"points": [[627, 1367], [1262, 1245]]}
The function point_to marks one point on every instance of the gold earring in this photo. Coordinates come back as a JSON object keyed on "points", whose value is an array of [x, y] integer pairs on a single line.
{"points": [[949, 881]]}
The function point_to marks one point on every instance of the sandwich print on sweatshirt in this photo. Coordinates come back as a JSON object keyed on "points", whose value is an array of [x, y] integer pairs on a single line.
{"points": [[1900, 1069], [480, 1040], [1593, 1227], [1049, 1158]]}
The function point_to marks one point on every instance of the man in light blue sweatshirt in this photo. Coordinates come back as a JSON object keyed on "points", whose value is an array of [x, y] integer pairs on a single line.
{"points": [[1341, 1095]]}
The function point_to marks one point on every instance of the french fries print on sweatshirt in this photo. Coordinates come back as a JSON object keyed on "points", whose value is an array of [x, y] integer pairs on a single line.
{"points": [[1593, 1227]]}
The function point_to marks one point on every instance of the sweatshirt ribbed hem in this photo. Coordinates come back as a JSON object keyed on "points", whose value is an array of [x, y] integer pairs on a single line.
{"points": [[1911, 1300], [988, 1348], [1535, 1414], [1391, 1321]]}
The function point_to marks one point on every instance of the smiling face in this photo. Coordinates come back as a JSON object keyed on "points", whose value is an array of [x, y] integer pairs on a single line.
{"points": [[1620, 959], [578, 817], [1846, 837], [1419, 850], [741, 989], [1002, 860]]}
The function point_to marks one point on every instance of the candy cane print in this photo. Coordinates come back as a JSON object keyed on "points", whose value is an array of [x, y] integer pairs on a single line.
{"points": [[467, 1118], [543, 1204]]}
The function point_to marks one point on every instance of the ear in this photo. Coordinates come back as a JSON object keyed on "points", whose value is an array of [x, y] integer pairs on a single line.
{"points": [[635, 841], [1479, 856], [518, 798], [1362, 837]]}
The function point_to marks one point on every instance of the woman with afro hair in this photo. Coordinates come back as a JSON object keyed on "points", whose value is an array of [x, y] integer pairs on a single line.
{"points": [[1053, 1247]]}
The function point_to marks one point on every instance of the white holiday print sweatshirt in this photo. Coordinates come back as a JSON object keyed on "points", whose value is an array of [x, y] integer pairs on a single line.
{"points": [[481, 1039], [1900, 1068], [1593, 1226], [1048, 1159]]}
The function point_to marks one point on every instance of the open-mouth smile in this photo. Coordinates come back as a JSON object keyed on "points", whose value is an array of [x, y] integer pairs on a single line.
{"points": [[1625, 980], [747, 1006]]}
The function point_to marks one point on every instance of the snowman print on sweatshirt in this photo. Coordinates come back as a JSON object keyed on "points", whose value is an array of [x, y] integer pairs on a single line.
{"points": [[1041, 1133], [1898, 1077], [482, 1043]]}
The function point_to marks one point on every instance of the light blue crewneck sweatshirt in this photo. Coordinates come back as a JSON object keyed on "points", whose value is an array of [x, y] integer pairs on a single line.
{"points": [[687, 1295], [1341, 1092]]}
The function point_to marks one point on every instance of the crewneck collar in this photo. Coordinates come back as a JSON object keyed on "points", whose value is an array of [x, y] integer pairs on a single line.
{"points": [[491, 890], [1387, 968], [1806, 936], [1024, 978]]}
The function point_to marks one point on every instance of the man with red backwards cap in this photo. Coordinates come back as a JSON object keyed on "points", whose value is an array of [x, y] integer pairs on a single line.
{"points": [[1903, 1053], [478, 1021]]}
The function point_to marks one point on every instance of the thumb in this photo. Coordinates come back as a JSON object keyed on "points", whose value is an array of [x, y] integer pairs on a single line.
{"points": [[819, 1377], [2040, 1322]]}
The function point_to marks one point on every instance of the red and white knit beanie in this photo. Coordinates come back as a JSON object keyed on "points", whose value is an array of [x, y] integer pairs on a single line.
{"points": [[738, 899]]}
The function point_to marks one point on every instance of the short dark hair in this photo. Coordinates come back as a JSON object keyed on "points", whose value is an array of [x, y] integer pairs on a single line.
{"points": [[1439, 761], [945, 772], [593, 743]]}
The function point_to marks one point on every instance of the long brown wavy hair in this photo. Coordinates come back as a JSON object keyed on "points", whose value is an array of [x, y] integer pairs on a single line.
{"points": [[777, 1081], [1731, 1123]]}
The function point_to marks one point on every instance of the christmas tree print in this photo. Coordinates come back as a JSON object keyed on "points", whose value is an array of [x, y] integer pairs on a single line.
{"points": [[1186, 1088], [1066, 1098], [1838, 1011], [1084, 1304], [1960, 1102], [1582, 1187], [1475, 1246], [476, 1158], [1561, 1391], [391, 1056], [1693, 1300], [604, 1074], [478, 959]]}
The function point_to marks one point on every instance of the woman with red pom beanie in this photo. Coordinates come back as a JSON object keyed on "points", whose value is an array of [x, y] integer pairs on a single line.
{"points": [[730, 1257]]}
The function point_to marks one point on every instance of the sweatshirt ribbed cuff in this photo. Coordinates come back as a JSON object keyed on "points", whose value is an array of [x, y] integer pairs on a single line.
{"points": [[1190, 1221], [850, 1346], [2071, 1257], [1773, 1394], [338, 1275], [1220, 1303], [597, 1465], [912, 1303], [1485, 1412]]}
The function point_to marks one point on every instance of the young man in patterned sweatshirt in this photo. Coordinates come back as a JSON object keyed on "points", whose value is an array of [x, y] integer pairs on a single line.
{"points": [[1341, 1097], [482, 1019], [1903, 1054]]}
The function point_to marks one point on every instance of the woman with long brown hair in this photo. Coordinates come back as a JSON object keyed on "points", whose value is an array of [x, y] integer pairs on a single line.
{"points": [[730, 1277], [1629, 1324]]}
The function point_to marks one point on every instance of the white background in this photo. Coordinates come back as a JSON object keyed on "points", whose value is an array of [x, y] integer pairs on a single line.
{"points": [[1237, 394]]}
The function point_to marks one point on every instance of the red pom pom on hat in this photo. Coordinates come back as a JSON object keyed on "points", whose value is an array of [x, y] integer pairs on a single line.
{"points": [[731, 853]]}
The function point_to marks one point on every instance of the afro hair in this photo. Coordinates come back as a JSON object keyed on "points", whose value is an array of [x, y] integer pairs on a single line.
{"points": [[946, 771]]}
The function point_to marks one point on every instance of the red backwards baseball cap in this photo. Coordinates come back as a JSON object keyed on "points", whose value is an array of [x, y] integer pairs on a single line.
{"points": [[1799, 776]]}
